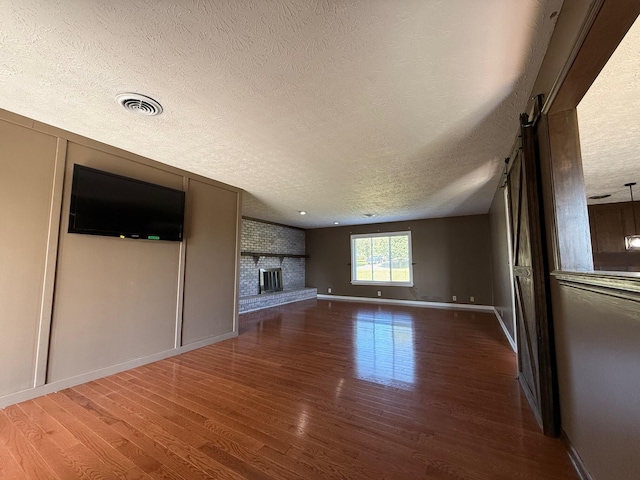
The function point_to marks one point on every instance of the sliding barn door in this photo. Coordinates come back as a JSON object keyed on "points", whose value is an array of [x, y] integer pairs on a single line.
{"points": [[536, 359]]}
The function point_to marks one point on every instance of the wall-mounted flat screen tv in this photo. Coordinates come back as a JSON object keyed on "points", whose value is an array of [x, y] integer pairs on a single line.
{"points": [[104, 203]]}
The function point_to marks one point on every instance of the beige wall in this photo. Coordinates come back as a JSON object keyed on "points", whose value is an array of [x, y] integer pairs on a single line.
{"points": [[452, 256], [75, 307], [597, 345]]}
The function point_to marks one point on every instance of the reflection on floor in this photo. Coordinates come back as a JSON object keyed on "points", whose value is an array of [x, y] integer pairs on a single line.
{"points": [[396, 392], [309, 390], [383, 347]]}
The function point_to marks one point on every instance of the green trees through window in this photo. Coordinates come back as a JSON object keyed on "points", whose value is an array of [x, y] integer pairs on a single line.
{"points": [[381, 258]]}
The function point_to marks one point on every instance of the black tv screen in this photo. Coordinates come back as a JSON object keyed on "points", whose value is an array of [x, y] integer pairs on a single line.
{"points": [[104, 203]]}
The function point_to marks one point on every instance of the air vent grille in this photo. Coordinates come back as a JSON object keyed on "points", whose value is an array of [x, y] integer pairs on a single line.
{"points": [[139, 104]]}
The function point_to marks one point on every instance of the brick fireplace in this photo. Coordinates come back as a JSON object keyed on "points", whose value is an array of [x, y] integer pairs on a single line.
{"points": [[267, 246]]}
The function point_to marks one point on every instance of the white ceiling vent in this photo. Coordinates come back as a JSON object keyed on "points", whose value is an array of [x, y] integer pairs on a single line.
{"points": [[140, 104]]}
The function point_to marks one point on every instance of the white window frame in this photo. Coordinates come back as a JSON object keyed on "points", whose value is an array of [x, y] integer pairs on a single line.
{"points": [[354, 263]]}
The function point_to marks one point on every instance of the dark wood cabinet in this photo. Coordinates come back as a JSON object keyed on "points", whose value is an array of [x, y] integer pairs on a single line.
{"points": [[610, 223]]}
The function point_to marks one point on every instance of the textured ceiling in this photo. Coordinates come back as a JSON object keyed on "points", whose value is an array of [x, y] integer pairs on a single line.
{"points": [[405, 109], [609, 125]]}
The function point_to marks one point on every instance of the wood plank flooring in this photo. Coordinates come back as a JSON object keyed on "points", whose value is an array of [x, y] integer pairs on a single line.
{"points": [[311, 390]]}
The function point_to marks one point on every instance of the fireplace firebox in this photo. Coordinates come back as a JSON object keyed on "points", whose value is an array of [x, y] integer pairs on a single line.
{"points": [[270, 280]]}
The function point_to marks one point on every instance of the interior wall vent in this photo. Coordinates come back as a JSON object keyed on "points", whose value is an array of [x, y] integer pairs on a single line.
{"points": [[139, 104]]}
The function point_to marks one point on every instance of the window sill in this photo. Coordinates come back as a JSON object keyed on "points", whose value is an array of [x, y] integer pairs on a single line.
{"points": [[383, 284]]}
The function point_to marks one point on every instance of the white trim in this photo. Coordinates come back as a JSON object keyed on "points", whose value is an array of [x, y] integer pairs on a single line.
{"points": [[507, 210], [182, 257], [417, 303], [383, 283], [103, 372], [413, 303], [236, 285], [397, 233], [203, 343], [504, 329], [49, 274]]}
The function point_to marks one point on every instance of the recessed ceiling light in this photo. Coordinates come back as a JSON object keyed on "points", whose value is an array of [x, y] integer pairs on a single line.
{"points": [[336, 223], [369, 215], [139, 104], [302, 212], [599, 197]]}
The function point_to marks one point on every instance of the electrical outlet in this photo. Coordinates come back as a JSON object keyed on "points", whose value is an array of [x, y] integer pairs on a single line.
{"points": [[455, 299], [329, 290], [379, 293], [472, 299]]}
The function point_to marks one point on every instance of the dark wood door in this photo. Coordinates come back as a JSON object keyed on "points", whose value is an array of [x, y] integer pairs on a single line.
{"points": [[536, 361]]}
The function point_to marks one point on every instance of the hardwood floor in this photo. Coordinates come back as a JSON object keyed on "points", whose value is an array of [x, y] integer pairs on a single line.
{"points": [[315, 389]]}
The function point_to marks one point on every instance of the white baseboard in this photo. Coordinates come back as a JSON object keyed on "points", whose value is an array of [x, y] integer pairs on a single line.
{"points": [[412, 303], [103, 372], [578, 464], [504, 329], [417, 303]]}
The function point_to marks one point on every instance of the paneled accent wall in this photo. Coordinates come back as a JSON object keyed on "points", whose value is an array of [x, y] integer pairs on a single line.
{"points": [[262, 237], [117, 295], [77, 307], [27, 161], [208, 287]]}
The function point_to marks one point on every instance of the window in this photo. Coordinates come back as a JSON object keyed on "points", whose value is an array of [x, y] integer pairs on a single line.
{"points": [[381, 259]]}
